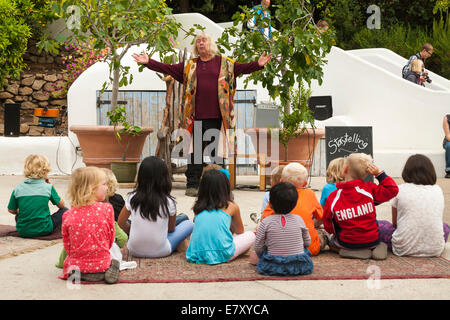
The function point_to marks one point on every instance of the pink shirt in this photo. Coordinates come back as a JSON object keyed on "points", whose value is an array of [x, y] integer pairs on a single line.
{"points": [[88, 234]]}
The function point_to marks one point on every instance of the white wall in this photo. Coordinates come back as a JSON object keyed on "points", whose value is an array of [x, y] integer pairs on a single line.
{"points": [[406, 118], [59, 151]]}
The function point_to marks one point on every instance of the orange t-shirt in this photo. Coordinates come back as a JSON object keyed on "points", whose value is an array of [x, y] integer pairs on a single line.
{"points": [[307, 206]]}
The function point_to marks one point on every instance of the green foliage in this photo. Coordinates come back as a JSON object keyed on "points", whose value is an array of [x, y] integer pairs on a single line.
{"points": [[118, 117], [340, 13], [14, 34], [298, 55], [441, 44], [404, 29], [405, 41], [118, 25]]}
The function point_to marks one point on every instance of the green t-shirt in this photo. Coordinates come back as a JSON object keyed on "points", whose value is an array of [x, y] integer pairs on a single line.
{"points": [[31, 198]]}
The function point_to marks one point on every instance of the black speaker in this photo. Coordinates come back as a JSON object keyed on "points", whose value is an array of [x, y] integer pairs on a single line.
{"points": [[321, 106], [12, 119]]}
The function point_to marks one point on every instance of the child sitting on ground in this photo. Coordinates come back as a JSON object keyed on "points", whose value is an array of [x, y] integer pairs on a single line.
{"points": [[155, 230], [350, 213], [275, 177], [334, 172], [417, 229], [120, 236], [281, 237], [216, 219], [307, 207], [117, 202], [214, 166], [88, 228], [29, 200], [116, 199]]}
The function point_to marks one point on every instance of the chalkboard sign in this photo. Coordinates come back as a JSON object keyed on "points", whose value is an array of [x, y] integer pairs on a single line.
{"points": [[342, 141]]}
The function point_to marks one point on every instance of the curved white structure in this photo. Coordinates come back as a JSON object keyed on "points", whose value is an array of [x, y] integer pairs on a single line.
{"points": [[368, 90], [391, 62]]}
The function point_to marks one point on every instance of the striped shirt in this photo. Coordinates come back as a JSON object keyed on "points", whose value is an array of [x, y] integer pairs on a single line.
{"points": [[282, 235]]}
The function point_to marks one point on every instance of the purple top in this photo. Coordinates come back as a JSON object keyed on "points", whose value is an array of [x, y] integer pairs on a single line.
{"points": [[206, 97]]}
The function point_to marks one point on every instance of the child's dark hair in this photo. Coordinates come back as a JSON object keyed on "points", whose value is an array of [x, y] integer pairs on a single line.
{"points": [[213, 192], [419, 169], [152, 189], [283, 197]]}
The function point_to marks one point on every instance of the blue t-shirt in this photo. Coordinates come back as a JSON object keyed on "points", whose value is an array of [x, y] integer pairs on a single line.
{"points": [[211, 241], [327, 189]]}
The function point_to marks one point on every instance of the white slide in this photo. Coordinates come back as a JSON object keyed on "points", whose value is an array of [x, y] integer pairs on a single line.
{"points": [[367, 89]]}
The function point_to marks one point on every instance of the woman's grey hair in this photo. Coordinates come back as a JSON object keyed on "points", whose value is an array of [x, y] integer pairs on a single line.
{"points": [[212, 47]]}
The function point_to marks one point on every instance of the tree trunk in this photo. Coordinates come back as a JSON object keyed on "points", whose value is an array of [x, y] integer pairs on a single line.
{"points": [[115, 87]]}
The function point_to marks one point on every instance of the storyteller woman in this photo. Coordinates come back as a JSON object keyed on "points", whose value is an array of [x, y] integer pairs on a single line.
{"points": [[210, 83]]}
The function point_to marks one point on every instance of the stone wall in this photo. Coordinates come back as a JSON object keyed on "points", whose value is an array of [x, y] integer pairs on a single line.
{"points": [[33, 90]]}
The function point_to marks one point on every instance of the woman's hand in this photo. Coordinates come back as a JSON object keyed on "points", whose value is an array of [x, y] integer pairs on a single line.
{"points": [[140, 58], [263, 59]]}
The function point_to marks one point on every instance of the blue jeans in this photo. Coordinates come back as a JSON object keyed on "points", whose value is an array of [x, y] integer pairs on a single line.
{"points": [[183, 229], [57, 218], [447, 157]]}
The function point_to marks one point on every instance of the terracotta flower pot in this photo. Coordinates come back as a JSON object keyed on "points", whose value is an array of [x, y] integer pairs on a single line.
{"points": [[100, 146], [300, 149]]}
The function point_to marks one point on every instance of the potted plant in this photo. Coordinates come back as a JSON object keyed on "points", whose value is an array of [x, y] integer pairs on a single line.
{"points": [[298, 55], [116, 26], [124, 170]]}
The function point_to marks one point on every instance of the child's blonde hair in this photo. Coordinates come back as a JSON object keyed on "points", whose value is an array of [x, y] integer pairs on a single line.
{"points": [[296, 174], [357, 164], [276, 174], [334, 171], [416, 66], [36, 166], [84, 182], [111, 182]]}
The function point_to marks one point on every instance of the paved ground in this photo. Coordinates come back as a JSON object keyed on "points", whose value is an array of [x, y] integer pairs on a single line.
{"points": [[32, 275]]}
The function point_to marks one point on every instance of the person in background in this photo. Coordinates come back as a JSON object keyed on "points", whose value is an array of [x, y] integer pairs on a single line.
{"points": [[415, 73], [261, 11], [323, 26], [446, 144], [425, 53]]}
